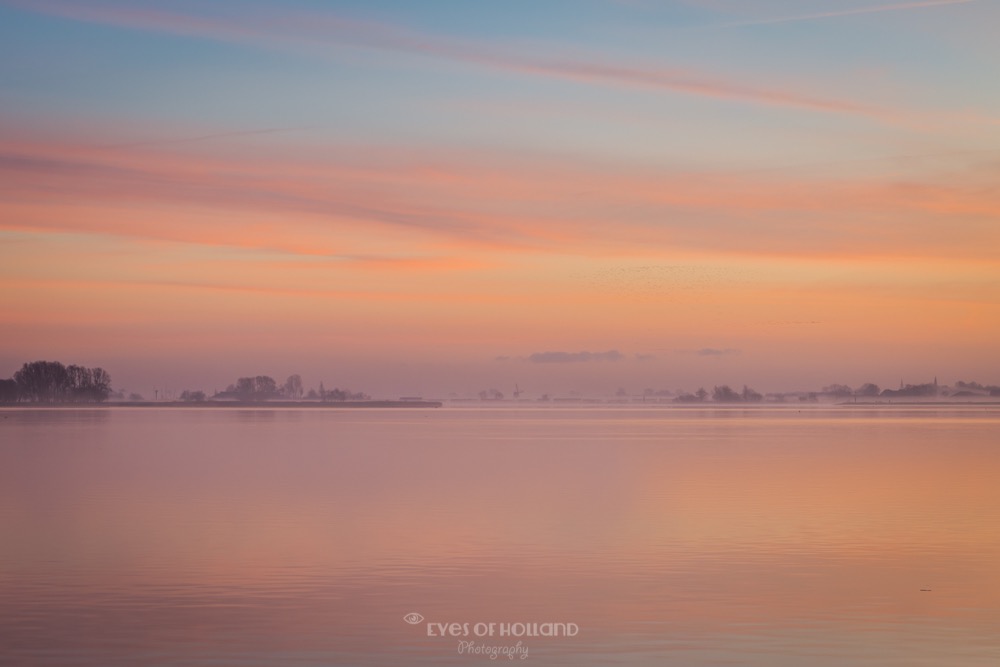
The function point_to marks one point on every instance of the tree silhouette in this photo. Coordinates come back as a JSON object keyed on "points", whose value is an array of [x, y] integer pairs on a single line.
{"points": [[51, 382], [292, 387], [9, 392], [725, 394], [259, 388]]}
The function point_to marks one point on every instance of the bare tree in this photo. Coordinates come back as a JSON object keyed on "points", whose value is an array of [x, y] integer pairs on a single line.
{"points": [[259, 388], [9, 392], [869, 389], [292, 387], [50, 382], [725, 394]]}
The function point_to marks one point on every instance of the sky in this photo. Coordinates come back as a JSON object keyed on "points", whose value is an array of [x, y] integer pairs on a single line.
{"points": [[436, 198]]}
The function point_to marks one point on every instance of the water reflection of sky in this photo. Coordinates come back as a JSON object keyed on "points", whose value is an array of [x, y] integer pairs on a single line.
{"points": [[658, 533]]}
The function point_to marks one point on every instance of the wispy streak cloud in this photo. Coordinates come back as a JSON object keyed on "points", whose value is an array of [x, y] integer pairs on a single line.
{"points": [[203, 137], [297, 30], [402, 205], [715, 352], [902, 6], [574, 357], [41, 176]]}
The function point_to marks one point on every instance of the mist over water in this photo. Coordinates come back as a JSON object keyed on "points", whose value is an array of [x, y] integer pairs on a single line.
{"points": [[820, 535]]}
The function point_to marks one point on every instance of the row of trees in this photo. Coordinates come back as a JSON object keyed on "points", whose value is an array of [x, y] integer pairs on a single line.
{"points": [[52, 382], [264, 388], [722, 394], [843, 391], [726, 394], [973, 388]]}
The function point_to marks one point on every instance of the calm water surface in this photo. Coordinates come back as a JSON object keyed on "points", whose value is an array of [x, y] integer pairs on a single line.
{"points": [[669, 536]]}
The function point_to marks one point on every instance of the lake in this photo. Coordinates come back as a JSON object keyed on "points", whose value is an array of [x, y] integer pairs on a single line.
{"points": [[585, 535]]}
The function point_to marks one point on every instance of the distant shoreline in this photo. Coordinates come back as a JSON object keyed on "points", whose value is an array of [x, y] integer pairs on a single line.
{"points": [[232, 404], [931, 403], [375, 404]]}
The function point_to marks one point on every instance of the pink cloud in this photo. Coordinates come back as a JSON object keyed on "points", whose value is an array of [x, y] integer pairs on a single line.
{"points": [[427, 208]]}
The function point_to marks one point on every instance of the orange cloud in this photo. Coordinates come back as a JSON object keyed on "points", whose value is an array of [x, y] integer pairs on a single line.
{"points": [[434, 209]]}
